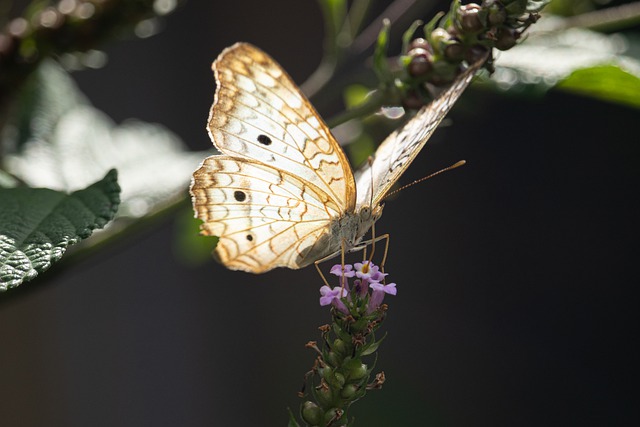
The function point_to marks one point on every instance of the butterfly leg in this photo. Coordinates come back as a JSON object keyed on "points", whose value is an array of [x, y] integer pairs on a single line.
{"points": [[321, 260]]}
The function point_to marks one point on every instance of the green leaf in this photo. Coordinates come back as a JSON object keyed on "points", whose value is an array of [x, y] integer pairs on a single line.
{"points": [[607, 82], [67, 145], [371, 348], [550, 56], [38, 224], [191, 248]]}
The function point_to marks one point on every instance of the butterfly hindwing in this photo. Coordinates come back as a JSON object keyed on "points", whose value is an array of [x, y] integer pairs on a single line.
{"points": [[264, 217]]}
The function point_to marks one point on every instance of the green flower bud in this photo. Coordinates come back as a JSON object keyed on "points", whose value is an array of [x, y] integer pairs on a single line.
{"points": [[333, 358], [311, 413], [439, 38], [326, 373], [340, 378], [333, 414], [324, 395], [358, 372], [349, 391], [339, 346]]}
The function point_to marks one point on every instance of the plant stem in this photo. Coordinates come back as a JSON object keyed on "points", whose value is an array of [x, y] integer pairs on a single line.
{"points": [[374, 101], [609, 19]]}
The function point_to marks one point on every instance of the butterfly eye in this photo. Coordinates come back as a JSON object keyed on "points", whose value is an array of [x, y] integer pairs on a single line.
{"points": [[264, 140], [239, 196]]}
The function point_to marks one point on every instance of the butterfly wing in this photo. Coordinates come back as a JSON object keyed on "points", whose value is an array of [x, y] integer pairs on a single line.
{"points": [[265, 217], [260, 114], [401, 147], [282, 177]]}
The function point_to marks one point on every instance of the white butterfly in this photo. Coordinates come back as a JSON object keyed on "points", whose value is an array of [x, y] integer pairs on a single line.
{"points": [[282, 193]]}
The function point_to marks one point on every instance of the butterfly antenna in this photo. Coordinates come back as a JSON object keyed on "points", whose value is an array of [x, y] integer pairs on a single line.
{"points": [[453, 166]]}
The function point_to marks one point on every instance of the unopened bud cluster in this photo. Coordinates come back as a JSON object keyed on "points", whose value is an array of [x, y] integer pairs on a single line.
{"points": [[65, 26], [466, 34]]}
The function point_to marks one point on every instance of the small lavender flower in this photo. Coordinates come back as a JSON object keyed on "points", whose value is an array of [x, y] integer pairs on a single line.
{"points": [[332, 296], [361, 287], [338, 271], [365, 270], [379, 289]]}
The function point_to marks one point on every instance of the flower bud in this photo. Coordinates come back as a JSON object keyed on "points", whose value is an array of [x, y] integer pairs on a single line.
{"points": [[419, 65], [469, 18], [349, 391], [333, 358], [340, 378], [358, 372], [333, 414], [311, 413], [420, 43], [506, 39], [454, 52], [497, 15], [439, 38], [339, 346], [324, 396]]}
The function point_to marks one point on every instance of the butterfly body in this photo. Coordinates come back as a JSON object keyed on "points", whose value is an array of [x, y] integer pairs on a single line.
{"points": [[282, 193]]}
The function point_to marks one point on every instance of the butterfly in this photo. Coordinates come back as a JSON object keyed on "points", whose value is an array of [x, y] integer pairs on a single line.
{"points": [[282, 193]]}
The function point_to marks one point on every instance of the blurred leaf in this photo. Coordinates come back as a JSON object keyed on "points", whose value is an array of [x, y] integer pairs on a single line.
{"points": [[608, 83], [361, 148], [191, 247], [37, 225], [45, 98], [65, 144], [355, 95], [6, 180], [549, 56]]}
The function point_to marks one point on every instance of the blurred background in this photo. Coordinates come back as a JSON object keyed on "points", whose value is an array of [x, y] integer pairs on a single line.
{"points": [[517, 281]]}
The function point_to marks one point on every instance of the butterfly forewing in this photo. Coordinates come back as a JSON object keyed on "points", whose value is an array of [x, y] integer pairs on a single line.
{"points": [[260, 114], [401, 147], [265, 217]]}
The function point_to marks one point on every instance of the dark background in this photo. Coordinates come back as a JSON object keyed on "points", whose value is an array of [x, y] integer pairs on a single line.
{"points": [[516, 279]]}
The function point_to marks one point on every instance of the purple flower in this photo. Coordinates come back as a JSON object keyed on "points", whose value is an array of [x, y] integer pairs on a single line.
{"points": [[347, 272], [377, 296], [387, 289], [360, 287], [365, 270], [332, 296]]}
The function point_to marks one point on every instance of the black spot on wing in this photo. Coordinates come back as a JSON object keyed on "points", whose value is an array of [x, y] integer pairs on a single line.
{"points": [[239, 196], [264, 140]]}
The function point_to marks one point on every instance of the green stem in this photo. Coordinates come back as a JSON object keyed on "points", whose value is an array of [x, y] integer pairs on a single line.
{"points": [[610, 19], [371, 105]]}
